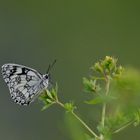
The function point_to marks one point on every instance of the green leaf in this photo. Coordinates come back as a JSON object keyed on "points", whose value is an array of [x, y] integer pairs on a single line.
{"points": [[49, 97], [97, 67], [54, 91], [101, 99], [91, 85], [97, 100], [49, 101], [46, 106], [137, 117], [49, 93]]}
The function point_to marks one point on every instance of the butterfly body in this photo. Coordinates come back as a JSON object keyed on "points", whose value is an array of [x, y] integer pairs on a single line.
{"points": [[24, 83]]}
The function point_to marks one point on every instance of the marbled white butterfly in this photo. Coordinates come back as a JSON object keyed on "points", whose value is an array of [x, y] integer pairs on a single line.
{"points": [[24, 83]]}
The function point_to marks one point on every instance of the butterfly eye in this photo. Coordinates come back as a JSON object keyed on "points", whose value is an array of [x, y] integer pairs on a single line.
{"points": [[11, 70], [46, 76]]}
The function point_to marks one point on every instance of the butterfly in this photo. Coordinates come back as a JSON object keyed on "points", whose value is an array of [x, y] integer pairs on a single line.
{"points": [[25, 84]]}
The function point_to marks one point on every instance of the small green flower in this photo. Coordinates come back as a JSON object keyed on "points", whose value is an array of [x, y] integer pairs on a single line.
{"points": [[109, 64], [70, 107], [97, 67]]}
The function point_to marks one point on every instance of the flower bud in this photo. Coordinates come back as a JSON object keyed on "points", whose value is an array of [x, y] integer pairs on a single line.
{"points": [[97, 67], [109, 63]]}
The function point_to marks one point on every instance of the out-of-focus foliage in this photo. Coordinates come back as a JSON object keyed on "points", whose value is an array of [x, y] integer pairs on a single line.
{"points": [[127, 88], [116, 89], [127, 91], [122, 98], [74, 128]]}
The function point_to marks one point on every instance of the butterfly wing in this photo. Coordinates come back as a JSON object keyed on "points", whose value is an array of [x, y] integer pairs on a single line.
{"points": [[23, 82]]}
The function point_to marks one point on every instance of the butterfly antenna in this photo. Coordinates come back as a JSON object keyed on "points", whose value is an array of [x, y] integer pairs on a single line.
{"points": [[51, 66]]}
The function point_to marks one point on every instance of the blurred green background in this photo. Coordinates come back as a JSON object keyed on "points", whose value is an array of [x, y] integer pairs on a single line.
{"points": [[77, 34]]}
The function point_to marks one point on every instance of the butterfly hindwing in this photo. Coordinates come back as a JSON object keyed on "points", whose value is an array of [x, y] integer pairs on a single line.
{"points": [[23, 82]]}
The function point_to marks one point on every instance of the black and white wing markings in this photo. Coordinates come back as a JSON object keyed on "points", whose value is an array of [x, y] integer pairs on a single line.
{"points": [[23, 82]]}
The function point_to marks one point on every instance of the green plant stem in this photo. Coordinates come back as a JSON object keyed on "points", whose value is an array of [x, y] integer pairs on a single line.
{"points": [[123, 127], [84, 124], [104, 105], [79, 119]]}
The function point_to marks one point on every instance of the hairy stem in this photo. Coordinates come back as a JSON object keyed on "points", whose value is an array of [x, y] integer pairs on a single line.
{"points": [[123, 127], [104, 106], [85, 125], [80, 120]]}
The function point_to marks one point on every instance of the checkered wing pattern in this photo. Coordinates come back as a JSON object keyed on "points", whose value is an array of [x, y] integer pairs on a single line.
{"points": [[24, 83]]}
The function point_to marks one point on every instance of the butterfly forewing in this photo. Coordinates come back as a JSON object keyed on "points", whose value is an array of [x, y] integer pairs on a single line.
{"points": [[24, 83]]}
